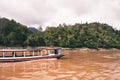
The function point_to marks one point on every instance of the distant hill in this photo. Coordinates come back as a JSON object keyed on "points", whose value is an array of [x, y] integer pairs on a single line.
{"points": [[12, 32], [91, 35], [7, 26], [32, 29]]}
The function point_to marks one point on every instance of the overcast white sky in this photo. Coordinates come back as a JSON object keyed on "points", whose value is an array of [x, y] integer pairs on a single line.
{"points": [[54, 12]]}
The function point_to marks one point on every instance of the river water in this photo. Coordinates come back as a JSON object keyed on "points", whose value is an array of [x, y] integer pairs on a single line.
{"points": [[75, 65]]}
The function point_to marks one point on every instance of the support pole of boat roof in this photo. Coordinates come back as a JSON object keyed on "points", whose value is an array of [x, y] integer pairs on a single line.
{"points": [[24, 53], [3, 55], [14, 54], [33, 53]]}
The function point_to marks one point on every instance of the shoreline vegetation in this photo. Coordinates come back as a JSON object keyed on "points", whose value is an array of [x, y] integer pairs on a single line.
{"points": [[80, 49], [80, 35]]}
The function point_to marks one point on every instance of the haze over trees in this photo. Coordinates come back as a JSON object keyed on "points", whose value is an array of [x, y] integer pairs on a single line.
{"points": [[91, 35]]}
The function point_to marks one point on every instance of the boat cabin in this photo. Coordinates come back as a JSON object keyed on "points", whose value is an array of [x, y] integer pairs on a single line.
{"points": [[24, 54]]}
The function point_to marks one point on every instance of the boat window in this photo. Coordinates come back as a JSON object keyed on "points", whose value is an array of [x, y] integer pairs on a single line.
{"points": [[52, 51], [59, 51], [56, 52]]}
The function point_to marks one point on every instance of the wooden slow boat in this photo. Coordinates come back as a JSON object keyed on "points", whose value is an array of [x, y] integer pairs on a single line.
{"points": [[9, 55]]}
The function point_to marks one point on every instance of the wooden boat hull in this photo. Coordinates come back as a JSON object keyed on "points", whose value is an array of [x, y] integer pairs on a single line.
{"points": [[15, 59]]}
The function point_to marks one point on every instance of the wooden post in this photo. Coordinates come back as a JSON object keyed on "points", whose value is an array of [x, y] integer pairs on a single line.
{"points": [[13, 54], [49, 51], [24, 53], [3, 54], [33, 53]]}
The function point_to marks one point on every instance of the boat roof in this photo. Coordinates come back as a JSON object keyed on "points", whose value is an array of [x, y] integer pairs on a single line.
{"points": [[51, 48], [19, 50], [11, 50]]}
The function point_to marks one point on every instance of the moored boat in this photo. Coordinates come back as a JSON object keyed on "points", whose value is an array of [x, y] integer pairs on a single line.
{"points": [[8, 55]]}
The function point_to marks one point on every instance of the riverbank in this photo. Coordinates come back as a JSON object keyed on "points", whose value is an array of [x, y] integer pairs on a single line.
{"points": [[68, 50], [88, 50]]}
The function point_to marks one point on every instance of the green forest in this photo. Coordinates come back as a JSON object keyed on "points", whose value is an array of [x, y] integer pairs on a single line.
{"points": [[80, 35]]}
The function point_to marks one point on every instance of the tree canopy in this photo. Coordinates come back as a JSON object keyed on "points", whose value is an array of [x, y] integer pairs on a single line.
{"points": [[91, 35], [12, 33]]}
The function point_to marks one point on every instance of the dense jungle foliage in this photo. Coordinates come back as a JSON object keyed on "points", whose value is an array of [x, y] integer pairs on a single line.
{"points": [[91, 35]]}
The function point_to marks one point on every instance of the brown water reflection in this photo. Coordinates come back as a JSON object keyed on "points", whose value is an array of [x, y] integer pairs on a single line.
{"points": [[76, 65]]}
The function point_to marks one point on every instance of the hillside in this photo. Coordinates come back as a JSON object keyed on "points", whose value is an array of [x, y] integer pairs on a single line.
{"points": [[32, 29], [12, 33], [92, 35]]}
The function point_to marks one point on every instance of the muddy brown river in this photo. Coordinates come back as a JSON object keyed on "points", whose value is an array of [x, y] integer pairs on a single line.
{"points": [[75, 65]]}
